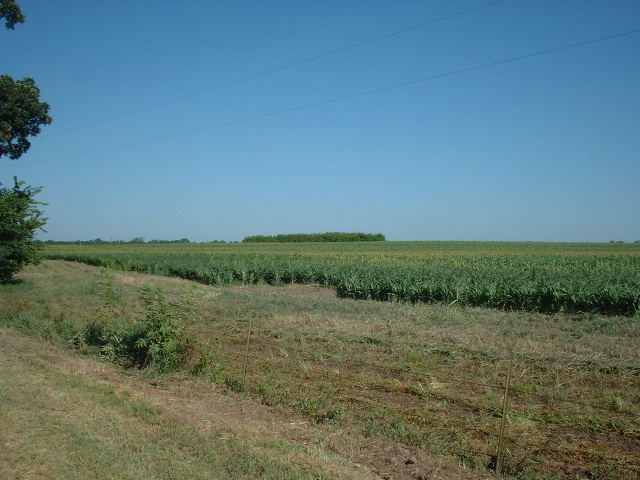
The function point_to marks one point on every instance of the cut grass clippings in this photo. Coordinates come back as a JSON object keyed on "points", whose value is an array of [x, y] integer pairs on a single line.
{"points": [[58, 424]]}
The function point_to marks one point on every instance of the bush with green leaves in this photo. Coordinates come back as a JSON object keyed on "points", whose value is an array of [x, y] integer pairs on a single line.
{"points": [[19, 221], [165, 343], [158, 341]]}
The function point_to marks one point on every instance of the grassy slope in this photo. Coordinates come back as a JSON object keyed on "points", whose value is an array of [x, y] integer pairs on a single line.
{"points": [[67, 416], [386, 385], [61, 420]]}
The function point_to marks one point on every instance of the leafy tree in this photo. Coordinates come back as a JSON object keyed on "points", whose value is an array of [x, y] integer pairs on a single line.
{"points": [[19, 220], [21, 111], [21, 115], [10, 11]]}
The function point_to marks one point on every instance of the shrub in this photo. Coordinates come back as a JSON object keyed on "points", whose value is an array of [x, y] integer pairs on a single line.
{"points": [[19, 220], [159, 341], [164, 342]]}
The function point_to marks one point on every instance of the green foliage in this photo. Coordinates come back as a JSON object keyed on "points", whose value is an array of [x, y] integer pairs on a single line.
{"points": [[597, 278], [108, 309], [316, 237], [428, 376], [55, 326], [19, 220], [182, 240], [21, 115], [165, 342], [99, 241], [11, 12], [158, 341], [118, 342]]}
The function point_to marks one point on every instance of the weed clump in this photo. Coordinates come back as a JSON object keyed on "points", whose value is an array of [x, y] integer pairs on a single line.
{"points": [[158, 341]]}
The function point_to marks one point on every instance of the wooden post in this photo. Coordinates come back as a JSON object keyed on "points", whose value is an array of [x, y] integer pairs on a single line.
{"points": [[504, 417]]}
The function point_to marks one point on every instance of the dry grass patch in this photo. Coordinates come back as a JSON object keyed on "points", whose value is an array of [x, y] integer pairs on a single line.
{"points": [[392, 386], [71, 417]]}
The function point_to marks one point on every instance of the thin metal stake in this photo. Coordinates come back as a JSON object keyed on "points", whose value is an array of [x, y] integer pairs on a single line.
{"points": [[504, 417], [246, 361], [246, 356]]}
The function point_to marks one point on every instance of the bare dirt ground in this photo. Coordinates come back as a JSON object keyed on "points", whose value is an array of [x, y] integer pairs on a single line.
{"points": [[298, 290]]}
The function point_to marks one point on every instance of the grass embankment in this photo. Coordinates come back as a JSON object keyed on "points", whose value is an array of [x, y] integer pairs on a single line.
{"points": [[387, 385], [67, 419]]}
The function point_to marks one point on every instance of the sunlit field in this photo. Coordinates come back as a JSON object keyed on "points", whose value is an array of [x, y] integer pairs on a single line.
{"points": [[403, 388], [540, 277]]}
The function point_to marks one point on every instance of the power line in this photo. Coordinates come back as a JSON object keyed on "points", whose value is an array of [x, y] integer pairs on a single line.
{"points": [[277, 69], [339, 99]]}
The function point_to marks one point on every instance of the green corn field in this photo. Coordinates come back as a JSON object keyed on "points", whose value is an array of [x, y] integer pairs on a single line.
{"points": [[541, 277]]}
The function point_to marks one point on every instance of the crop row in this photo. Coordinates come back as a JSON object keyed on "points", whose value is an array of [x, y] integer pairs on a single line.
{"points": [[601, 284]]}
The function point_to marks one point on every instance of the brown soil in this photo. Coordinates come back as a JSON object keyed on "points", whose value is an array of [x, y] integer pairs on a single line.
{"points": [[297, 290]]}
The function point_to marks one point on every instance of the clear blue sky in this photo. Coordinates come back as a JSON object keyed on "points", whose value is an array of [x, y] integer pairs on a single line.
{"points": [[544, 148]]}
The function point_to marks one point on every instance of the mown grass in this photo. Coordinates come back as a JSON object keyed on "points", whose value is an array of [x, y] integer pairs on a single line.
{"points": [[59, 425], [434, 376], [427, 378]]}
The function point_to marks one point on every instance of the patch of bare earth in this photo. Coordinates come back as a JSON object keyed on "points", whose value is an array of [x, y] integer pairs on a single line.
{"points": [[209, 407], [296, 290]]}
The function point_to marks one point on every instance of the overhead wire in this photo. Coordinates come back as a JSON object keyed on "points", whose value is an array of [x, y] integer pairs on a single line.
{"points": [[338, 99], [274, 70]]}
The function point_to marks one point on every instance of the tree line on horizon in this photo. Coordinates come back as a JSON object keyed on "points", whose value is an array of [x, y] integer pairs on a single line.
{"points": [[316, 237], [282, 238], [99, 241]]}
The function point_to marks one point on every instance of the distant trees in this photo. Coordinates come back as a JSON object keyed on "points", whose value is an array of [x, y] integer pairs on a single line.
{"points": [[99, 241], [140, 240], [316, 237], [182, 240]]}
